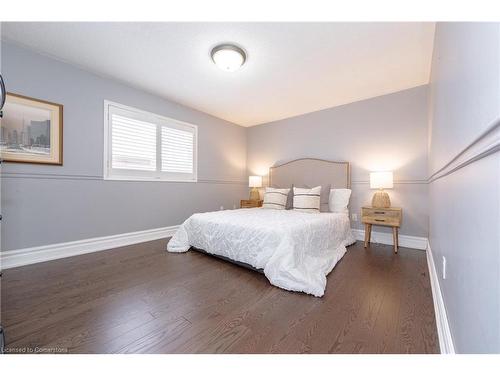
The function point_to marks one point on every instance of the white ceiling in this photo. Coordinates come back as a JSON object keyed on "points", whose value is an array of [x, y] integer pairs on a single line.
{"points": [[292, 68]]}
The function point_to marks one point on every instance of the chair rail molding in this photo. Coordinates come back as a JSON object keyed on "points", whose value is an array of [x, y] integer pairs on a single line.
{"points": [[487, 143], [62, 176]]}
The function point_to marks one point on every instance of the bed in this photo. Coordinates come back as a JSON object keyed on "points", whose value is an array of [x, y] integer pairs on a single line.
{"points": [[294, 250]]}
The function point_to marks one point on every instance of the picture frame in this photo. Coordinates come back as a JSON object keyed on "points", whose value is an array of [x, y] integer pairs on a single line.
{"points": [[32, 131]]}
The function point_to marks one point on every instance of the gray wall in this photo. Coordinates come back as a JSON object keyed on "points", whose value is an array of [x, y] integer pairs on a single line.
{"points": [[465, 204], [384, 133], [51, 204]]}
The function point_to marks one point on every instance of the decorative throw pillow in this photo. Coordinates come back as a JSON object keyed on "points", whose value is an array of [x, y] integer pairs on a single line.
{"points": [[339, 200], [307, 200], [275, 198], [289, 199]]}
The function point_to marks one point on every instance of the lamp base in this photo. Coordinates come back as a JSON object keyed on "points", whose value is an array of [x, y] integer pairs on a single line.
{"points": [[381, 200], [254, 194]]}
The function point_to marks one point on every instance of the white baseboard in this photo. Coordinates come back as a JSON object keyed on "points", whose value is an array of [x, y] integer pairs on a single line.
{"points": [[412, 242], [16, 258], [443, 328]]}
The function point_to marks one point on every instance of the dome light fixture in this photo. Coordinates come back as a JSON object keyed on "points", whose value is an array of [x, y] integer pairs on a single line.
{"points": [[228, 57]]}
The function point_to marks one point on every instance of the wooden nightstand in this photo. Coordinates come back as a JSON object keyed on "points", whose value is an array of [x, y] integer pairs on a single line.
{"points": [[246, 203], [389, 217]]}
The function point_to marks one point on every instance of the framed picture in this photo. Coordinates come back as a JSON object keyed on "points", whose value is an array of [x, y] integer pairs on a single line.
{"points": [[32, 131]]}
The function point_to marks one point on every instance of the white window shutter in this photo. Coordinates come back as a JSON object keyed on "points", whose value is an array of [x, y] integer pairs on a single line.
{"points": [[143, 146], [177, 150], [133, 144]]}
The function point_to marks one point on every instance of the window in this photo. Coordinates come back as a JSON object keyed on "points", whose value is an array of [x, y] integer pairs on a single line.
{"points": [[139, 145]]}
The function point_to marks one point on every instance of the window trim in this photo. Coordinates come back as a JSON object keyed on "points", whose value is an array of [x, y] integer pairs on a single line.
{"points": [[132, 175]]}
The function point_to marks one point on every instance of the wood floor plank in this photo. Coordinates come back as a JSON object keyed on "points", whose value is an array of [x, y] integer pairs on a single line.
{"points": [[141, 299], [137, 287], [146, 337], [108, 282]]}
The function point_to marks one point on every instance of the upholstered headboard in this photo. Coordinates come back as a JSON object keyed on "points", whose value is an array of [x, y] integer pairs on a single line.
{"points": [[309, 172]]}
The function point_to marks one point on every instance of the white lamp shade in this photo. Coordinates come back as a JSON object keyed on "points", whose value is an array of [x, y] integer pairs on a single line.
{"points": [[381, 180], [255, 181]]}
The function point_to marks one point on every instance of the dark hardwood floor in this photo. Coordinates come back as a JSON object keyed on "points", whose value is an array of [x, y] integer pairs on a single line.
{"points": [[141, 299]]}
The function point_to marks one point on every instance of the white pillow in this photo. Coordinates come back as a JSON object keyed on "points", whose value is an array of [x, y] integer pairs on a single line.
{"points": [[275, 198], [307, 200], [339, 200]]}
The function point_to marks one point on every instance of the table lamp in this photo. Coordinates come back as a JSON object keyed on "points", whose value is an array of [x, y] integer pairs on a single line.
{"points": [[381, 181], [254, 182]]}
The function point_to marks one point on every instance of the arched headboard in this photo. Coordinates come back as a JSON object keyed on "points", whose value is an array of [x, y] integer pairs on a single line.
{"points": [[310, 172]]}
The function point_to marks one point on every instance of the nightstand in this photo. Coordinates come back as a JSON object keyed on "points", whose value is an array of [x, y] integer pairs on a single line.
{"points": [[389, 217], [246, 203]]}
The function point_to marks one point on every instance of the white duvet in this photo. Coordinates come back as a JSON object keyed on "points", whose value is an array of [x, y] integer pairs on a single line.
{"points": [[296, 250]]}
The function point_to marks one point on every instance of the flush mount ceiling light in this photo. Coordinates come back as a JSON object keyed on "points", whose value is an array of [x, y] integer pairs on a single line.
{"points": [[228, 57]]}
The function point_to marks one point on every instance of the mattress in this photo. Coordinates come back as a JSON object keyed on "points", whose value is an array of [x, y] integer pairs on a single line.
{"points": [[296, 250]]}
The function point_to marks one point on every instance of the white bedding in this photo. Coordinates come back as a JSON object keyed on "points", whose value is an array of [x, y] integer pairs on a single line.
{"points": [[296, 250]]}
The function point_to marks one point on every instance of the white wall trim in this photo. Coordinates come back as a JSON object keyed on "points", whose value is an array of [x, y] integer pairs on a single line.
{"points": [[21, 257], [60, 176], [443, 328], [412, 242], [487, 143]]}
